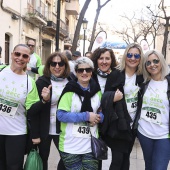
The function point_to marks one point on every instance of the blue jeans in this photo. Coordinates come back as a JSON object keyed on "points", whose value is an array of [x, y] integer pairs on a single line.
{"points": [[156, 152]]}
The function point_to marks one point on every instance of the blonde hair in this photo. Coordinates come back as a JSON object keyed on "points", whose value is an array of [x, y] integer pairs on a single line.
{"points": [[164, 65], [122, 64]]}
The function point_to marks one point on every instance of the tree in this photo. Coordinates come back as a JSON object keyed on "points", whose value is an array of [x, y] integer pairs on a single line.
{"points": [[99, 7], [78, 27], [137, 29], [167, 24]]}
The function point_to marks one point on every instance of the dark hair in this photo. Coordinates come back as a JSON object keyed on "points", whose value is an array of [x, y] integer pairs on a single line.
{"points": [[88, 52], [68, 54], [21, 45], [97, 53], [47, 71]]}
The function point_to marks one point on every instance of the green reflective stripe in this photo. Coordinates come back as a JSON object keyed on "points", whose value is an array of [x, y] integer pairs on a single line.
{"points": [[132, 100], [151, 109], [39, 63], [6, 102]]}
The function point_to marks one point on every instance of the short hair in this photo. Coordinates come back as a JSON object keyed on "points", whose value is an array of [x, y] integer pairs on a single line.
{"points": [[21, 45], [122, 64], [83, 60], [30, 40], [164, 65], [47, 71], [68, 54], [88, 52], [97, 53]]}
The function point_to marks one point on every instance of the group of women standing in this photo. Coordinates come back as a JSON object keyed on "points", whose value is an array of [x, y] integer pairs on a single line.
{"points": [[116, 101]]}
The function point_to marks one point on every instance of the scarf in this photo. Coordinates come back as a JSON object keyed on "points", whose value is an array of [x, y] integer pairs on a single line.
{"points": [[73, 86], [103, 74], [54, 78]]}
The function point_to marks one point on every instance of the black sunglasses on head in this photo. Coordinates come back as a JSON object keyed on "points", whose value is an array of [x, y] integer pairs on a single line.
{"points": [[60, 64], [130, 55], [81, 70], [18, 54], [154, 61]]}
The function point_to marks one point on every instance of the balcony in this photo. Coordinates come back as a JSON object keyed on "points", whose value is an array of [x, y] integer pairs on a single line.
{"points": [[36, 16], [63, 29], [72, 8], [51, 26]]}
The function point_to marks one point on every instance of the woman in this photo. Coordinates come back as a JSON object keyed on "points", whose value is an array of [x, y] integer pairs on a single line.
{"points": [[104, 62], [119, 104], [154, 124], [55, 77], [78, 108], [18, 99]]}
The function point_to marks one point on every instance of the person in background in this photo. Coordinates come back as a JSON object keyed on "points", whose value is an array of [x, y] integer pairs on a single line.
{"points": [[78, 106], [119, 105], [55, 76], [88, 54], [69, 56], [35, 60], [18, 99], [76, 55], [154, 112]]}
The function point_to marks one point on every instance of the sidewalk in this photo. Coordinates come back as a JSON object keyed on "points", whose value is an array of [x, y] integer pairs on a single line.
{"points": [[136, 160]]}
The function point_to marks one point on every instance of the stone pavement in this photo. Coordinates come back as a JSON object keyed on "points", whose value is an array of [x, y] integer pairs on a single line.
{"points": [[136, 160]]}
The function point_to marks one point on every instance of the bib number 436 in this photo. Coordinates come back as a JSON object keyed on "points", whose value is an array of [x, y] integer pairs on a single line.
{"points": [[5, 108]]}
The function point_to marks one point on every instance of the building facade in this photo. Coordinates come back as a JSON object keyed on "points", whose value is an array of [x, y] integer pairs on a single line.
{"points": [[37, 19]]}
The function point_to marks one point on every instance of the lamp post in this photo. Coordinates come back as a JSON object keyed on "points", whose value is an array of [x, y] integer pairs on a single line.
{"points": [[57, 26], [85, 22]]}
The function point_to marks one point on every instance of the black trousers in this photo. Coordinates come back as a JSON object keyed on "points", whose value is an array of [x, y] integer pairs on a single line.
{"points": [[121, 160], [44, 151], [12, 149]]}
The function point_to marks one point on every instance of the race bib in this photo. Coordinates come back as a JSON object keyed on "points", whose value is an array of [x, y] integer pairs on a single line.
{"points": [[8, 108], [132, 104], [82, 130], [152, 115]]}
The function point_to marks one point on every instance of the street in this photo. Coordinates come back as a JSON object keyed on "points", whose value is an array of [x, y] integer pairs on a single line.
{"points": [[137, 162]]}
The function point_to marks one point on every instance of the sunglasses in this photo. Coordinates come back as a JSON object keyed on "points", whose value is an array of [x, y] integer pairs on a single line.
{"points": [[18, 54], [30, 45], [81, 70], [60, 64], [154, 61], [130, 55]]}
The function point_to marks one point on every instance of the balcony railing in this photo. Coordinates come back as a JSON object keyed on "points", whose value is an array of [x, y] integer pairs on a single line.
{"points": [[36, 16]]}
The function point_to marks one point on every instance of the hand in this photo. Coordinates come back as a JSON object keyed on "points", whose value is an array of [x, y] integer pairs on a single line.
{"points": [[118, 95], [29, 68], [36, 141], [94, 118], [46, 93]]}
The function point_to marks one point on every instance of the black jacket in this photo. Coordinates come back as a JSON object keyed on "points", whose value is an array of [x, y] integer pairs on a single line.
{"points": [[116, 126], [41, 121]]}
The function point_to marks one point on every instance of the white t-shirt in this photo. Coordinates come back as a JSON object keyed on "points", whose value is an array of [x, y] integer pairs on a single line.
{"points": [[154, 119], [56, 92], [102, 82], [74, 137], [131, 95], [15, 99]]}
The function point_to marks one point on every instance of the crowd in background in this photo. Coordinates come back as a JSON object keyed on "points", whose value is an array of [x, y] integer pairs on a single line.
{"points": [[75, 96]]}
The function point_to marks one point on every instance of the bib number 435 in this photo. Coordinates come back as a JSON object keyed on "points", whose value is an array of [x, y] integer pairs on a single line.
{"points": [[151, 115]]}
